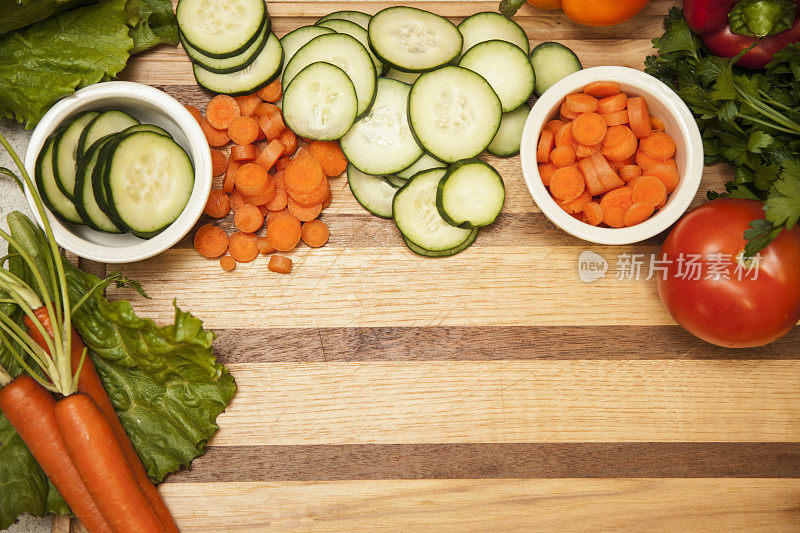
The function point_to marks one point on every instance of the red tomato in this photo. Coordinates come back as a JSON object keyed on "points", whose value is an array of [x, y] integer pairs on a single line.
{"points": [[727, 304]]}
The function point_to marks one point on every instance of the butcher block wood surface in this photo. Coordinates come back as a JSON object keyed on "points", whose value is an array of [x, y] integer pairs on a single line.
{"points": [[490, 391]]}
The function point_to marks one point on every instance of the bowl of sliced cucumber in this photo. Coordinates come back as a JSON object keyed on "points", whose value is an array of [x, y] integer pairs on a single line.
{"points": [[123, 170]]}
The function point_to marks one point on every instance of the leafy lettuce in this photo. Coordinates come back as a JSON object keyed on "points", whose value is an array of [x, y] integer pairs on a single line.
{"points": [[164, 382], [20, 13]]}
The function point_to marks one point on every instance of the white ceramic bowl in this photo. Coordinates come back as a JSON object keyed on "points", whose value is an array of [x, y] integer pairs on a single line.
{"points": [[663, 103], [148, 105]]}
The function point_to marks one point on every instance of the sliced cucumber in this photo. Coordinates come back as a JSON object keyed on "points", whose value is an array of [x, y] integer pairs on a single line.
{"points": [[506, 68], [454, 113], [65, 151], [85, 202], [443, 253], [221, 28], [415, 213], [346, 53], [426, 162], [507, 141], [551, 62], [405, 77], [362, 19], [295, 40], [358, 33], [105, 124], [320, 103], [149, 179], [381, 142], [99, 178], [491, 25], [55, 200], [148, 127], [394, 181], [233, 63], [413, 40], [471, 194], [374, 193], [256, 76]]}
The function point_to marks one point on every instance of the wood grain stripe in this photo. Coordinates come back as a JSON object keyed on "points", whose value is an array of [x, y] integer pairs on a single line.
{"points": [[489, 505], [479, 343], [512, 401], [495, 461]]}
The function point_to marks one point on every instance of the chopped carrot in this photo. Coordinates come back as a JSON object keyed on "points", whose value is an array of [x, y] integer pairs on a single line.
{"points": [[330, 157], [649, 189], [243, 247], [227, 263], [612, 104], [272, 92], [614, 217], [546, 141], [247, 104], [309, 199], [657, 124], [218, 204], [582, 151], [639, 117], [619, 143], [668, 176], [646, 162], [580, 103], [228, 183], [619, 164], [601, 89], [304, 174], [304, 214], [629, 172], [328, 199], [243, 130], [270, 155], [221, 110], [576, 205], [617, 118], [567, 184], [289, 140], [608, 176], [562, 156], [264, 197], [198, 116], [237, 200], [593, 213], [546, 171], [265, 108], [280, 264], [282, 163], [245, 152], [554, 125], [638, 213], [620, 197], [281, 198], [248, 219], [589, 128], [564, 136], [214, 136], [565, 114], [272, 215], [210, 241], [590, 177], [315, 233], [272, 125], [658, 145], [264, 247], [219, 162], [283, 232], [251, 179]]}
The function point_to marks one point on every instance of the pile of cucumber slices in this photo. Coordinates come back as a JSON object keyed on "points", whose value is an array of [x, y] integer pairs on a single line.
{"points": [[108, 171]]}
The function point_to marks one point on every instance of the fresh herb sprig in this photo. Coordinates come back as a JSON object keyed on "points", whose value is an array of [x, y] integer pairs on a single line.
{"points": [[748, 118]]}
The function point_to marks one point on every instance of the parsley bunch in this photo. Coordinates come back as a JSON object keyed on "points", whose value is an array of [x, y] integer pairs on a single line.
{"points": [[749, 118]]}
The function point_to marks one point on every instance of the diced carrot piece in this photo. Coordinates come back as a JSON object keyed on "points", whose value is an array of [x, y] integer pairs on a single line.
{"points": [[649, 189], [589, 128], [227, 263], [248, 219], [210, 241], [280, 264], [601, 89], [330, 157], [617, 118], [639, 117], [668, 176], [228, 182], [614, 217], [659, 145], [593, 213], [638, 213], [243, 247], [657, 124], [315, 233], [272, 92], [580, 103], [303, 213], [567, 184], [218, 204], [247, 104], [564, 136], [251, 179], [219, 162], [554, 125], [612, 104], [619, 143], [629, 172], [243, 130], [562, 156], [546, 141], [243, 153], [221, 110]]}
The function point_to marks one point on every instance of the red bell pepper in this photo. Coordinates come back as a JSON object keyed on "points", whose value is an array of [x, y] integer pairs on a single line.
{"points": [[729, 26]]}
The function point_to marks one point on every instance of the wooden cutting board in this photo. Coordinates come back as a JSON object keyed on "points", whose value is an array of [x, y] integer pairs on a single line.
{"points": [[492, 390]]}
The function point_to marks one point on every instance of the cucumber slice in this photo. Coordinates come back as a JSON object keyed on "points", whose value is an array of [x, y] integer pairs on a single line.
{"points": [[490, 25], [381, 142], [105, 124], [358, 33], [320, 103], [394, 181], [55, 200], [346, 53], [295, 40], [443, 253], [148, 127], [65, 152], [471, 194], [149, 179], [362, 19], [506, 68], [256, 76], [414, 211], [426, 162], [507, 141], [221, 28], [233, 63], [405, 77], [454, 113], [374, 193], [85, 202], [551, 62], [413, 40]]}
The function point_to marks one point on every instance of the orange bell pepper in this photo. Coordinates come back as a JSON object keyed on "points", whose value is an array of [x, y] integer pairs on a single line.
{"points": [[594, 12]]}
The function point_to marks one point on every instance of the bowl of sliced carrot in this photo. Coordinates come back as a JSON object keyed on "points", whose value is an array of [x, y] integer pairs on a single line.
{"points": [[612, 155]]}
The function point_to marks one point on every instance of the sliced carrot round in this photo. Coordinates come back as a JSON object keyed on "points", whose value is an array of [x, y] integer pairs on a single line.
{"points": [[243, 130], [281, 198], [248, 219], [228, 182], [554, 125], [565, 114], [227, 263], [304, 213], [271, 154], [215, 137], [315, 233], [563, 137], [304, 174], [590, 177], [649, 189], [593, 213], [605, 172], [237, 200], [580, 103], [601, 89], [198, 116], [210, 241], [617, 118], [280, 264], [246, 152], [567, 184], [243, 247], [614, 217], [647, 162], [272, 125], [576, 205], [589, 128], [316, 196], [266, 108], [612, 104], [639, 117], [289, 141], [638, 213], [657, 124], [251, 179], [264, 248], [283, 232], [658, 145], [629, 172], [546, 171], [330, 157], [621, 197], [221, 110], [546, 140], [264, 197], [218, 204], [562, 156], [619, 143], [219, 162], [668, 176], [272, 92], [247, 104], [583, 151]]}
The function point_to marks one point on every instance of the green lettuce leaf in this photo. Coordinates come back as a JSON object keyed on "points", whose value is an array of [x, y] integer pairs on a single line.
{"points": [[156, 25], [18, 14]]}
